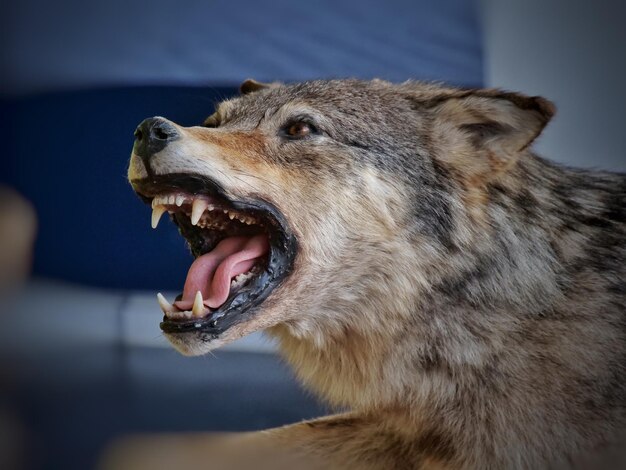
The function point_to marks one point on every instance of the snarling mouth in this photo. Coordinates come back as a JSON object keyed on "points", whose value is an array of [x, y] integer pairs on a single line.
{"points": [[243, 250]]}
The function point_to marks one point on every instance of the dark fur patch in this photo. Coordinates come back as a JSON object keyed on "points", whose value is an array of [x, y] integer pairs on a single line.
{"points": [[481, 131], [527, 204], [436, 444], [334, 423], [432, 208]]}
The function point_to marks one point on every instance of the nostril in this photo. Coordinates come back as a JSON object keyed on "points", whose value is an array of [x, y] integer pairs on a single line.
{"points": [[153, 135], [160, 134]]}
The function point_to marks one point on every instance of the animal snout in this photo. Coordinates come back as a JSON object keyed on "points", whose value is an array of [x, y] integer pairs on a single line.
{"points": [[153, 135]]}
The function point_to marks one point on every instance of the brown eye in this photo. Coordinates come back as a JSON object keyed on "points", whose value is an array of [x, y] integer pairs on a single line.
{"points": [[299, 130]]}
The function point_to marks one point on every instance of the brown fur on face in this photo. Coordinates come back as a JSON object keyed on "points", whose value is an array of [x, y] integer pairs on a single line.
{"points": [[461, 295]]}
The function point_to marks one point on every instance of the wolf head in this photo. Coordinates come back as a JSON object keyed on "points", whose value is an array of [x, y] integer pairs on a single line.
{"points": [[327, 205]]}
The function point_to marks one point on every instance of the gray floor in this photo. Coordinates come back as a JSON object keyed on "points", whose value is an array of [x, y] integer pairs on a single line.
{"points": [[79, 366], [71, 403]]}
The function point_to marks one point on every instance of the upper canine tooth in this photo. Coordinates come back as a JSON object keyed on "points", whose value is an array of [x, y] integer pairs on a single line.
{"points": [[157, 212], [197, 209], [164, 304], [179, 200], [198, 305]]}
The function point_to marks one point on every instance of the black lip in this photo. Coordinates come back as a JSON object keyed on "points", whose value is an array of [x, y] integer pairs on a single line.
{"points": [[283, 249]]}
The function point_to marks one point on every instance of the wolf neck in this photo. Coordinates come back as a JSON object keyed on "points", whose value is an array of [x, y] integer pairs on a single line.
{"points": [[503, 312]]}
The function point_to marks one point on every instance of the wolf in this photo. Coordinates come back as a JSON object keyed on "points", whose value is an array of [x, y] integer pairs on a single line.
{"points": [[461, 298]]}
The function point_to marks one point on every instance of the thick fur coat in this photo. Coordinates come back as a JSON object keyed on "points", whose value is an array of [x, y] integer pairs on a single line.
{"points": [[461, 296]]}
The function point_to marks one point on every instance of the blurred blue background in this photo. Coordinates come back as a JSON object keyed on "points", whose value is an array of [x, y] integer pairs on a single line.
{"points": [[84, 74], [82, 354]]}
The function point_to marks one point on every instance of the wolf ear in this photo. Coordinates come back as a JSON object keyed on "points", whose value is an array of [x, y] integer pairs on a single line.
{"points": [[250, 86], [500, 122]]}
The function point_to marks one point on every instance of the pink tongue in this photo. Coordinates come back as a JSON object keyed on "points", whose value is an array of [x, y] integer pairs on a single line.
{"points": [[212, 272]]}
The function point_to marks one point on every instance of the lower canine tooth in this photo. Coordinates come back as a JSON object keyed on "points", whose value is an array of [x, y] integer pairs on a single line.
{"points": [[164, 304], [198, 305], [197, 209], [157, 212]]}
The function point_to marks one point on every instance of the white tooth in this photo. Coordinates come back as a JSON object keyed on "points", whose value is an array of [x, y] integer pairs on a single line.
{"points": [[231, 216], [154, 202], [164, 304], [157, 212], [171, 199], [179, 200], [225, 211], [210, 207], [179, 315], [198, 305], [199, 206]]}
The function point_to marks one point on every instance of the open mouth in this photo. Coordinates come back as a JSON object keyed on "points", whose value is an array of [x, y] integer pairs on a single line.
{"points": [[243, 250]]}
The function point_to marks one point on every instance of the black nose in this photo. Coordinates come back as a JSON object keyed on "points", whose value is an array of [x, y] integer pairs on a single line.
{"points": [[153, 135]]}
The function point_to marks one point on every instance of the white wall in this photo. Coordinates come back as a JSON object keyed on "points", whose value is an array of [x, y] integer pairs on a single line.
{"points": [[574, 53]]}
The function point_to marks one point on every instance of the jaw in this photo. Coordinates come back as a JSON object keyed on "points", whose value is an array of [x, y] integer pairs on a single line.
{"points": [[200, 342], [244, 250]]}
